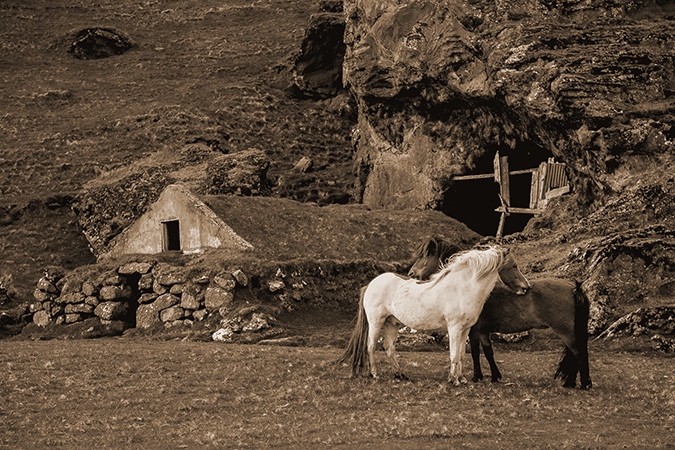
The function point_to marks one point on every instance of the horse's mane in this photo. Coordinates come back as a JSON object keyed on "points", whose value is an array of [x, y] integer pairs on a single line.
{"points": [[435, 246], [481, 261]]}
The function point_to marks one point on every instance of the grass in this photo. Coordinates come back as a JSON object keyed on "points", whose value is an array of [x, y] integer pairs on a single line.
{"points": [[119, 393]]}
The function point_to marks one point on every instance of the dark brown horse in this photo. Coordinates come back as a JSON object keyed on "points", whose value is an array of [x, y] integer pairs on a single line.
{"points": [[550, 302]]}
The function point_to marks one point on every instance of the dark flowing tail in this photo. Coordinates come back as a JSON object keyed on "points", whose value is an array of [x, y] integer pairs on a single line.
{"points": [[356, 353], [570, 363]]}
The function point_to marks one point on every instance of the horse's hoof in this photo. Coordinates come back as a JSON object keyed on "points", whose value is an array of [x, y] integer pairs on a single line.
{"points": [[477, 379], [401, 376], [496, 379]]}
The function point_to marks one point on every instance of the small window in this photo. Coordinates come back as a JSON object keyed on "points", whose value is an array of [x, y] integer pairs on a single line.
{"points": [[171, 236]]}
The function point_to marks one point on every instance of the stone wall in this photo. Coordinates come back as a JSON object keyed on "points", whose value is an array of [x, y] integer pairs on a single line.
{"points": [[143, 294], [148, 294]]}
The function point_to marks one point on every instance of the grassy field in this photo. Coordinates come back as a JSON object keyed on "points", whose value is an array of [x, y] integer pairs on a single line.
{"points": [[122, 393]]}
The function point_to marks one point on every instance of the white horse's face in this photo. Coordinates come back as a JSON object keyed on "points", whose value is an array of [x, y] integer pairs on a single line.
{"points": [[512, 277]]}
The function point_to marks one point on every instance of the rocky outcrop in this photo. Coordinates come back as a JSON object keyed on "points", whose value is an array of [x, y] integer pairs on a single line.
{"points": [[441, 86], [624, 270]]}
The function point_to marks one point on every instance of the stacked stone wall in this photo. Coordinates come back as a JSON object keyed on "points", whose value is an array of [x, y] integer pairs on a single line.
{"points": [[143, 294]]}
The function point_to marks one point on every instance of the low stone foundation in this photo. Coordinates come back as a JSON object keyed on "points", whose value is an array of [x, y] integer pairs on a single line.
{"points": [[147, 294], [142, 294]]}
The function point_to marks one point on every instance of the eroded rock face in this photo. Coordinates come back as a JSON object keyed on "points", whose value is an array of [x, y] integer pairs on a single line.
{"points": [[441, 86]]}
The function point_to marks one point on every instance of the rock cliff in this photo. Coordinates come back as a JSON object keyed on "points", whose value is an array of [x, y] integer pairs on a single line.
{"points": [[442, 85]]}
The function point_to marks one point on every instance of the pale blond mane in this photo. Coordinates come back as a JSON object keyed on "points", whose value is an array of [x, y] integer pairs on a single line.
{"points": [[482, 262]]}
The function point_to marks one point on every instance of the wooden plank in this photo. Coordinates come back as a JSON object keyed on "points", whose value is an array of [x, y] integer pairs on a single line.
{"points": [[534, 189], [473, 177], [517, 210], [553, 193], [500, 227], [524, 171], [495, 166], [505, 185]]}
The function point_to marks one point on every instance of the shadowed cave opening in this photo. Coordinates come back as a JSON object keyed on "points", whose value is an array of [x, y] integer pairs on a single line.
{"points": [[473, 202]]}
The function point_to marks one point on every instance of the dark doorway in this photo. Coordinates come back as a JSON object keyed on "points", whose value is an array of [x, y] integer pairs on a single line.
{"points": [[473, 202], [171, 236]]}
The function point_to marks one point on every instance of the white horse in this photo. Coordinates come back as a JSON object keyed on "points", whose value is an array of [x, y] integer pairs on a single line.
{"points": [[452, 299]]}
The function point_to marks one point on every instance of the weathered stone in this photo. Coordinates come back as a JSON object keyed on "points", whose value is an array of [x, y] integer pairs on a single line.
{"points": [[41, 295], [114, 279], [135, 267], [59, 320], [159, 288], [115, 292], [176, 289], [146, 282], [147, 298], [111, 310], [70, 285], [54, 273], [241, 277], [80, 308], [93, 301], [188, 301], [166, 301], [203, 278], [200, 315], [47, 306], [216, 297], [72, 318], [168, 279], [225, 281], [147, 316], [42, 318], [276, 285], [46, 286], [89, 289], [56, 310], [304, 165], [172, 314], [72, 297]]}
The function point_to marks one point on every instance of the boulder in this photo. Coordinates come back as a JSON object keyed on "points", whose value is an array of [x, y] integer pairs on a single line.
{"points": [[111, 310], [42, 318], [147, 316], [165, 301], [115, 292], [99, 42], [172, 314], [217, 297]]}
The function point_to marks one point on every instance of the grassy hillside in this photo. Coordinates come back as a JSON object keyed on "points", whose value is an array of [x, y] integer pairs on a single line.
{"points": [[211, 72]]}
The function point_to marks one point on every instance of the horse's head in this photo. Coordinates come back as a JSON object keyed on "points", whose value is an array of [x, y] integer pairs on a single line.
{"points": [[429, 256], [511, 275]]}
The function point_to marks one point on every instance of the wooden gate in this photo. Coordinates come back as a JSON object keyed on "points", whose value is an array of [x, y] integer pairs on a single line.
{"points": [[549, 180]]}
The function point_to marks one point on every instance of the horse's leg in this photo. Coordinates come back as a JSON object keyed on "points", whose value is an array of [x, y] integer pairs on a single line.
{"points": [[568, 367], [490, 356], [474, 342], [390, 331], [584, 370], [457, 343], [374, 327]]}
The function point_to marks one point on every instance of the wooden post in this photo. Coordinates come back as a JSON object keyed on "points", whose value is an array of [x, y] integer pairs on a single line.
{"points": [[502, 170]]}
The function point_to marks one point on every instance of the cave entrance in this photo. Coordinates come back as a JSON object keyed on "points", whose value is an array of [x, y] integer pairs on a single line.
{"points": [[502, 193]]}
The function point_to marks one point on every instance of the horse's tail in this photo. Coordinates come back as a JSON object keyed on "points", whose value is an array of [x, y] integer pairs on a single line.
{"points": [[356, 353], [570, 363]]}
